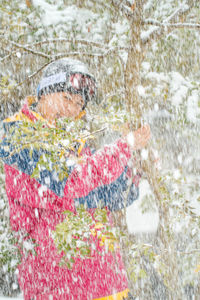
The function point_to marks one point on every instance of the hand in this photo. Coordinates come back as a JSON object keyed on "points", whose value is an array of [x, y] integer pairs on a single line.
{"points": [[138, 139]]}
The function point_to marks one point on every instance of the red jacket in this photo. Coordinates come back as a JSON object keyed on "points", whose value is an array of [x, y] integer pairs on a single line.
{"points": [[36, 207]]}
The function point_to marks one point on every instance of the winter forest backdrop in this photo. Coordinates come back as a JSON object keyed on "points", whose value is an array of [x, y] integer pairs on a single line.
{"points": [[145, 56]]}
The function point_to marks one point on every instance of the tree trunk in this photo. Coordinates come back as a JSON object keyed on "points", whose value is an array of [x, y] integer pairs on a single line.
{"points": [[135, 109]]}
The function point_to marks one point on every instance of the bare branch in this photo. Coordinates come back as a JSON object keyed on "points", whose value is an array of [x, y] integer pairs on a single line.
{"points": [[30, 50], [77, 53], [62, 55], [23, 48], [72, 41], [173, 25], [75, 41], [179, 11], [190, 252], [78, 41], [99, 55], [33, 74]]}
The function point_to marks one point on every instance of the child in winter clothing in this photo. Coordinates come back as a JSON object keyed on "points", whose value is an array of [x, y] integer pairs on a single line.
{"points": [[36, 205]]}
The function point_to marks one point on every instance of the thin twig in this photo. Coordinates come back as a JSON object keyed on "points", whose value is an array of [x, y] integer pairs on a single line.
{"points": [[78, 53], [99, 45], [93, 133], [77, 41], [190, 252], [178, 11], [26, 49], [33, 74], [72, 41]]}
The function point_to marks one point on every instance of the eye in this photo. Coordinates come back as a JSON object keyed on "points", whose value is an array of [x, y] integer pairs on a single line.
{"points": [[79, 103]]}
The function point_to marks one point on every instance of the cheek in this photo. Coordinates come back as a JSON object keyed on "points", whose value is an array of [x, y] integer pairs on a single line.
{"points": [[61, 107], [67, 110], [77, 108], [55, 106], [51, 109], [74, 108]]}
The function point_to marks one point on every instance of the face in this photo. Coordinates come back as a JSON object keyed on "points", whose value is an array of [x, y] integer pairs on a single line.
{"points": [[59, 105]]}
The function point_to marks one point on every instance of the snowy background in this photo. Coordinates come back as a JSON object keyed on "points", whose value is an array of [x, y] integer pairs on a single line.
{"points": [[169, 91]]}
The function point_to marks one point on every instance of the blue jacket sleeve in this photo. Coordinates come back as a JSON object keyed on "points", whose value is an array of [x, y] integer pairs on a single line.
{"points": [[115, 196]]}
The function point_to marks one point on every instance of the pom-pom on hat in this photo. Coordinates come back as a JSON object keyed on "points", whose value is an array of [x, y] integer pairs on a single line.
{"points": [[68, 75]]}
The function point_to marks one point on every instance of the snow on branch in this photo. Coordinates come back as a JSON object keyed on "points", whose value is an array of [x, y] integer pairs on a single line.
{"points": [[159, 27], [179, 11]]}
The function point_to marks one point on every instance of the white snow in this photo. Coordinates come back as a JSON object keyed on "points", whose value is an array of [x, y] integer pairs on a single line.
{"points": [[130, 139], [177, 174], [179, 88], [42, 189], [144, 154], [156, 107], [157, 76], [179, 95], [18, 54], [193, 110], [141, 91], [146, 34], [137, 221], [53, 15], [70, 162]]}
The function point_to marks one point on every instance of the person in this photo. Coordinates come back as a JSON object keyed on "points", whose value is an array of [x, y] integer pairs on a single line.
{"points": [[37, 204]]}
